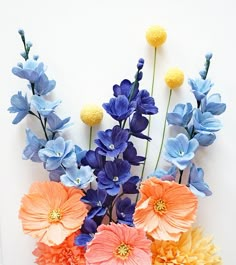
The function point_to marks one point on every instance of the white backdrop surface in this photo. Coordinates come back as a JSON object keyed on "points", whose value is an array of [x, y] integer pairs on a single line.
{"points": [[88, 46]]}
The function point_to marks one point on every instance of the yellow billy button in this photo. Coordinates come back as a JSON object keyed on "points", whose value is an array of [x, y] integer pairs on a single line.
{"points": [[156, 35], [174, 78], [91, 114]]}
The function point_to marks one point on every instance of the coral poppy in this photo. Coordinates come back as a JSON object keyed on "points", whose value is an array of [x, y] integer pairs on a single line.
{"points": [[119, 244], [192, 249], [165, 209], [51, 212], [66, 253]]}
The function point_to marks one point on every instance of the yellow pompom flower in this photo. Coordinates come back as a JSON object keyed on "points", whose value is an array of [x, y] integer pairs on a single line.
{"points": [[192, 249], [156, 35], [91, 114], [174, 78]]}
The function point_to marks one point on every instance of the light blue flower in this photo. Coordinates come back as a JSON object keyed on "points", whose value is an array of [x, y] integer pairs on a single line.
{"points": [[20, 105], [80, 154], [181, 115], [44, 107], [162, 174], [213, 104], [205, 138], [196, 182], [34, 144], [180, 150], [56, 124], [58, 153], [79, 178], [43, 86], [205, 122], [200, 87], [30, 70]]}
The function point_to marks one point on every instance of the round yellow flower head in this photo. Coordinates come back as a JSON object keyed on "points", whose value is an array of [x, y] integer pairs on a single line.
{"points": [[91, 114], [174, 78], [156, 36]]}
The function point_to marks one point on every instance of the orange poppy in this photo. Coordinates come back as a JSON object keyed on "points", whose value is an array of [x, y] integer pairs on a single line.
{"points": [[51, 212], [165, 209]]}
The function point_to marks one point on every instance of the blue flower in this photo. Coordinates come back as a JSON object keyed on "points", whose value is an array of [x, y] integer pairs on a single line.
{"points": [[124, 211], [200, 87], [123, 89], [213, 104], [196, 182], [205, 138], [44, 107], [169, 174], [78, 177], [94, 160], [145, 103], [56, 124], [43, 86], [130, 187], [58, 153], [80, 154], [130, 154], [54, 175], [115, 173], [98, 200], [205, 122], [30, 70], [180, 150], [34, 144], [119, 108], [20, 105], [112, 142], [181, 115], [88, 229], [138, 124]]}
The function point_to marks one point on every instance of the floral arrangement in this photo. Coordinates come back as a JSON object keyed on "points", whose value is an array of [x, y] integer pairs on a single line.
{"points": [[94, 209]]}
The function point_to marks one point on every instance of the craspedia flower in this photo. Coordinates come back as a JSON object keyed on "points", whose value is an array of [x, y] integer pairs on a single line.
{"points": [[165, 209], [118, 244], [67, 253], [193, 248], [91, 114], [156, 35], [174, 78]]}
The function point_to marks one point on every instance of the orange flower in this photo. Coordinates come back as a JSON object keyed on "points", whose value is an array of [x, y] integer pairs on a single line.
{"points": [[192, 249], [51, 212], [118, 244], [165, 209], [64, 254]]}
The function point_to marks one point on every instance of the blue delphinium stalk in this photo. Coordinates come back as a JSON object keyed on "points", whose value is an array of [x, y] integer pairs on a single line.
{"points": [[59, 157]]}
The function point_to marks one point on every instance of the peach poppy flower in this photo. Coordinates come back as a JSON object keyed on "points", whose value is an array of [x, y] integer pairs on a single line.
{"points": [[118, 244], [51, 212], [165, 209], [64, 254]]}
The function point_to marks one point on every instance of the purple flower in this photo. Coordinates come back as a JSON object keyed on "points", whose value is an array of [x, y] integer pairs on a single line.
{"points": [[119, 108], [88, 229], [94, 160], [112, 142], [138, 124], [145, 103], [20, 105], [30, 70], [34, 144], [196, 182], [115, 173], [123, 89], [124, 211], [130, 187], [58, 153], [98, 200], [130, 154], [180, 150]]}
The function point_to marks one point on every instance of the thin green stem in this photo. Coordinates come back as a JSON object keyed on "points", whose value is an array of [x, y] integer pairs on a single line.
{"points": [[164, 130], [149, 118], [90, 137]]}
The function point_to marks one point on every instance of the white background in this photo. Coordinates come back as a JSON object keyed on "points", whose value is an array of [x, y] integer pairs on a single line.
{"points": [[88, 46]]}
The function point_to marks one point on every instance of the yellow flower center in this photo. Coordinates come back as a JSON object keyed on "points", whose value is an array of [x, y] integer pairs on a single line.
{"points": [[159, 206], [55, 216], [123, 251]]}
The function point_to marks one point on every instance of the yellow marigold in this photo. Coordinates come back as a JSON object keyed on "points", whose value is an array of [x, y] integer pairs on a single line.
{"points": [[91, 114], [156, 35], [174, 78], [191, 249]]}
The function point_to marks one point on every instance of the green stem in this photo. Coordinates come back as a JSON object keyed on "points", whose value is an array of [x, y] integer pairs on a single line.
{"points": [[90, 137], [149, 118], [164, 130]]}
